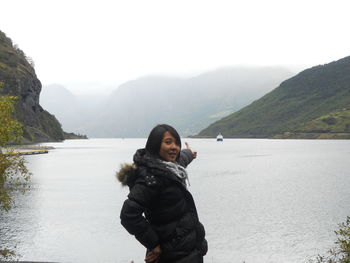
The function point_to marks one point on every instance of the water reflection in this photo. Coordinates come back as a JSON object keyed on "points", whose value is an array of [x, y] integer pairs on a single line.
{"points": [[21, 223]]}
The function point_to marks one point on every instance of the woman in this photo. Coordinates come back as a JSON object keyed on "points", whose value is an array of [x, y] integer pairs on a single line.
{"points": [[160, 212]]}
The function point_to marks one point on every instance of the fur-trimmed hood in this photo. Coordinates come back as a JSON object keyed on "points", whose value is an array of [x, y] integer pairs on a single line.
{"points": [[126, 173]]}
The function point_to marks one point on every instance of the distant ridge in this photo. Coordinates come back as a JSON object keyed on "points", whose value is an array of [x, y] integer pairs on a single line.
{"points": [[188, 104], [289, 109]]}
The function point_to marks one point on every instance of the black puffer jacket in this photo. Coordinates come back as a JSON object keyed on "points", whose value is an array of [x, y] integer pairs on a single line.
{"points": [[161, 211]]}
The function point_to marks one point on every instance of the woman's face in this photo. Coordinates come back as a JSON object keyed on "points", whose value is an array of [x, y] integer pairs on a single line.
{"points": [[168, 148]]}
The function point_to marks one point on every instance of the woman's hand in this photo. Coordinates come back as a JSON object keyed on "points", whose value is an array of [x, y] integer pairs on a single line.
{"points": [[194, 154], [153, 255]]}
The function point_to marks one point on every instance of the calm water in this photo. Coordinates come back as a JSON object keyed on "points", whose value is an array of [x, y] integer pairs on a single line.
{"points": [[260, 200]]}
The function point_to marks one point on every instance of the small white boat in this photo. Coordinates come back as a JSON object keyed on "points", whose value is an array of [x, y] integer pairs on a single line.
{"points": [[219, 138]]}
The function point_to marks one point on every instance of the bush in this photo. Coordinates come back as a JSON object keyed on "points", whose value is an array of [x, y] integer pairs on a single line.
{"points": [[341, 252], [14, 175]]}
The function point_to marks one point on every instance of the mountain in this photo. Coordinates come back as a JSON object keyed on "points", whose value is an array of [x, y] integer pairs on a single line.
{"points": [[18, 78], [188, 104], [311, 102], [62, 103], [76, 111]]}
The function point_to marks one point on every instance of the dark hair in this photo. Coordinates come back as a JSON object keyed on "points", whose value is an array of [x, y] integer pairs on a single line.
{"points": [[156, 136]]}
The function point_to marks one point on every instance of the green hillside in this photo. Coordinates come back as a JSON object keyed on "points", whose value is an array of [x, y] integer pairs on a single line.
{"points": [[313, 93], [335, 125], [18, 78]]}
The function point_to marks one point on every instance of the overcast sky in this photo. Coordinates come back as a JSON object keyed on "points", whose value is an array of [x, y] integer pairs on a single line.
{"points": [[82, 43]]}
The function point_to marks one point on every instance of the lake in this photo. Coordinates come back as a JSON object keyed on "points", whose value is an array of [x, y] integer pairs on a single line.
{"points": [[260, 200]]}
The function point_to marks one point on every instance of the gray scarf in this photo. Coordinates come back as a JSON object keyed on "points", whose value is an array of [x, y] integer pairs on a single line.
{"points": [[178, 170]]}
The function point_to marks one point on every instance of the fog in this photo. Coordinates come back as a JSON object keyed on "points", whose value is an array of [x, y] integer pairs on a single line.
{"points": [[190, 104], [89, 46]]}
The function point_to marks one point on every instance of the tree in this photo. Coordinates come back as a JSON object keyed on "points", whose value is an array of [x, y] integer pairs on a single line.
{"points": [[340, 253], [10, 129], [14, 175]]}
